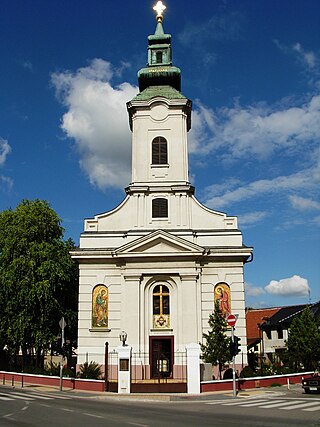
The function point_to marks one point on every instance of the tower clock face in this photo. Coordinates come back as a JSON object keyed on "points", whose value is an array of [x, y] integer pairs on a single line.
{"points": [[159, 112]]}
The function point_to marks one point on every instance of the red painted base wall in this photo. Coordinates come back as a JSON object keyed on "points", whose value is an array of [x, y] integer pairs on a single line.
{"points": [[71, 383], [249, 383], [99, 385]]}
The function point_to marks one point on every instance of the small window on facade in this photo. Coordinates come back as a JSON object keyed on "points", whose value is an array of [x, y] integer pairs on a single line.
{"points": [[280, 333], [159, 151], [159, 208], [268, 333], [159, 57]]}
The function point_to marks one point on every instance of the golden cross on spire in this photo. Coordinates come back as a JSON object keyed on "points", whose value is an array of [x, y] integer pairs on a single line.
{"points": [[159, 8]]}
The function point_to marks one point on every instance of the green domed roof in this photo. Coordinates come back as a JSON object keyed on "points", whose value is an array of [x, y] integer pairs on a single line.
{"points": [[159, 70]]}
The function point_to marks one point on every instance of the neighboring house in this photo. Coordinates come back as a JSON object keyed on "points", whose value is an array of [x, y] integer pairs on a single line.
{"points": [[267, 329], [275, 329], [155, 265], [255, 318]]}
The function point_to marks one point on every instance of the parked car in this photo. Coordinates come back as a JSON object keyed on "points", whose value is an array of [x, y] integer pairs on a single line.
{"points": [[312, 383]]}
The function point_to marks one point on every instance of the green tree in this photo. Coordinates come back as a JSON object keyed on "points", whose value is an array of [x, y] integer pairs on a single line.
{"points": [[216, 350], [303, 341], [38, 280]]}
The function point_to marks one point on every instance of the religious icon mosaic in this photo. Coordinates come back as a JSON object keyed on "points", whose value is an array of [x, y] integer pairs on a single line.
{"points": [[100, 307], [222, 295]]}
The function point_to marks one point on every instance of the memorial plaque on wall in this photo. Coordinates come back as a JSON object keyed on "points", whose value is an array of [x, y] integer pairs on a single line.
{"points": [[124, 364]]}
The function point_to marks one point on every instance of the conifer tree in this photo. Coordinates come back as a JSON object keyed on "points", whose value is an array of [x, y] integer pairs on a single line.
{"points": [[216, 349]]}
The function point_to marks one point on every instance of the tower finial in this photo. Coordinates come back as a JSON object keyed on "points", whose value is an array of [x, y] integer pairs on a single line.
{"points": [[159, 8]]}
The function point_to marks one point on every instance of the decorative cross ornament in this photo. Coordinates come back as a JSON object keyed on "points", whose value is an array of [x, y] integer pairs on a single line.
{"points": [[159, 8]]}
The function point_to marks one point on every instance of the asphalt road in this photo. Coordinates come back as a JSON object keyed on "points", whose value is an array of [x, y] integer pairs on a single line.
{"points": [[27, 407]]}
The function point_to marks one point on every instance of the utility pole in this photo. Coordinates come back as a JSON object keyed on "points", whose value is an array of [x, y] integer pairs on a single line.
{"points": [[231, 320], [62, 324], [233, 367]]}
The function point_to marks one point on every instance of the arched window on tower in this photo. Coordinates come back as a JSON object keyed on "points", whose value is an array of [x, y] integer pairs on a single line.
{"points": [[159, 57], [160, 208], [161, 307], [159, 151]]}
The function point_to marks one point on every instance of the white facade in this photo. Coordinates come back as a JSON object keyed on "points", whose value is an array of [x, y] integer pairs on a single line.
{"points": [[188, 250]]}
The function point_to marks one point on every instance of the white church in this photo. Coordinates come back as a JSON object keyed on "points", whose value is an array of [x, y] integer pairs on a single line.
{"points": [[155, 265]]}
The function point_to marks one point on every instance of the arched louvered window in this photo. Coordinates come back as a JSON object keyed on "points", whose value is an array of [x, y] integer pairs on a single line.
{"points": [[159, 57], [159, 151], [159, 208]]}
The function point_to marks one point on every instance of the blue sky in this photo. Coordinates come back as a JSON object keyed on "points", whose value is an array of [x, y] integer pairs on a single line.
{"points": [[252, 70]]}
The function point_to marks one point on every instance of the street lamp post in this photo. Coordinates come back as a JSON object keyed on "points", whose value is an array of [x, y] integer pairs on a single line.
{"points": [[123, 337]]}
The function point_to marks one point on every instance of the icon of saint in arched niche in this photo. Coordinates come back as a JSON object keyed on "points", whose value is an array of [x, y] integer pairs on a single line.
{"points": [[100, 306], [222, 295]]}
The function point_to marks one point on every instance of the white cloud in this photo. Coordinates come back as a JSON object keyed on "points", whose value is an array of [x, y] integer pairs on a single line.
{"points": [[226, 26], [97, 120], [307, 57], [27, 65], [258, 130], [6, 182], [316, 220], [303, 203], [4, 150], [253, 291], [292, 286], [251, 218], [305, 179]]}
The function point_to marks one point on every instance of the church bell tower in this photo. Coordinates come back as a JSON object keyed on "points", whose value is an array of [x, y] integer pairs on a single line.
{"points": [[160, 117]]}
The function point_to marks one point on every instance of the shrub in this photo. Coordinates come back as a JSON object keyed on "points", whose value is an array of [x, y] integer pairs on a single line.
{"points": [[247, 372], [90, 370]]}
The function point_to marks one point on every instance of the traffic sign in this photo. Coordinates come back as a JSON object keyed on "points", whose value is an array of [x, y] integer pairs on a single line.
{"points": [[62, 323], [231, 320]]}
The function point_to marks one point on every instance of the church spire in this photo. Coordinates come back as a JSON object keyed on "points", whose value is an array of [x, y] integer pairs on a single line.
{"points": [[159, 8], [159, 71]]}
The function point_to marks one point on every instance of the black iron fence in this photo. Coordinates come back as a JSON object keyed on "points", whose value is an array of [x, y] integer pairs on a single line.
{"points": [[159, 367], [144, 366]]}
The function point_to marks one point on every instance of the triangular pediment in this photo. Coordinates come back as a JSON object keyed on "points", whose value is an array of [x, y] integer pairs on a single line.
{"points": [[160, 242]]}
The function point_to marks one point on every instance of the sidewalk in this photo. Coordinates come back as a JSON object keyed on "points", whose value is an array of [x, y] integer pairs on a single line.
{"points": [[166, 397]]}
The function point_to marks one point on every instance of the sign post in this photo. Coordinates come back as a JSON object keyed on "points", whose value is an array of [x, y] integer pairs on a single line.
{"points": [[62, 324], [232, 320]]}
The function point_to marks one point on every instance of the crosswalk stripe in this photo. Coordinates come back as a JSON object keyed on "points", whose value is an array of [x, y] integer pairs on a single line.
{"points": [[21, 397], [253, 402], [36, 396], [299, 405], [315, 408], [269, 404], [265, 402], [5, 398], [52, 396], [277, 405], [33, 396]]}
